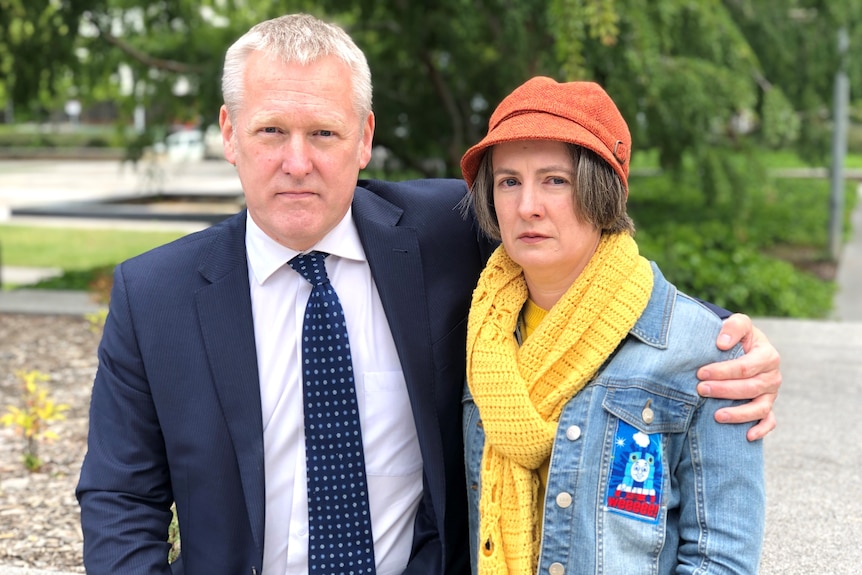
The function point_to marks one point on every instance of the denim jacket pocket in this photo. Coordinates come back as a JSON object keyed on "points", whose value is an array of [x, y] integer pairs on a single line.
{"points": [[648, 406]]}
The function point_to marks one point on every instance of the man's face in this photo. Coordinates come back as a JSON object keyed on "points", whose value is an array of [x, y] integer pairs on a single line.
{"points": [[298, 146]]}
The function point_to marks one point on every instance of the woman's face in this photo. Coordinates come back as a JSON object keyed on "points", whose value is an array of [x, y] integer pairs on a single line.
{"points": [[534, 185]]}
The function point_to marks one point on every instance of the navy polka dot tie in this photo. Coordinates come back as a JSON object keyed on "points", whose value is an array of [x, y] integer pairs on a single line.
{"points": [[340, 540]]}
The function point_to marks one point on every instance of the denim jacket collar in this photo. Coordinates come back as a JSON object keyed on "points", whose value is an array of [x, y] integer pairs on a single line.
{"points": [[652, 327]]}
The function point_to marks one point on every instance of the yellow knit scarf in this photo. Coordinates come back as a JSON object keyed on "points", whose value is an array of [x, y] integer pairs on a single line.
{"points": [[521, 391]]}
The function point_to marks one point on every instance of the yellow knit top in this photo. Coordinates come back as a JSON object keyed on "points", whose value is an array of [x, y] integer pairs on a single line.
{"points": [[531, 316]]}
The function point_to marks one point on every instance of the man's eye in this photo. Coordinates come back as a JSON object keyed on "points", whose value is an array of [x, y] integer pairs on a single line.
{"points": [[325, 133], [270, 130]]}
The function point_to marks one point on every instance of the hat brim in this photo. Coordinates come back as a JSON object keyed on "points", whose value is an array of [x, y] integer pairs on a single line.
{"points": [[536, 125]]}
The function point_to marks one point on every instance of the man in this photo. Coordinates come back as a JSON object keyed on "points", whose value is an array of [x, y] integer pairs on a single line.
{"points": [[199, 394]]}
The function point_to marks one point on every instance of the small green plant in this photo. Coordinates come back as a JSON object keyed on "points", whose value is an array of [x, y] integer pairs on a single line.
{"points": [[31, 421], [97, 320], [174, 536]]}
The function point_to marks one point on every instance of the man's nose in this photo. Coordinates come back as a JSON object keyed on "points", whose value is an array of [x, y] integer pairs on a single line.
{"points": [[296, 160]]}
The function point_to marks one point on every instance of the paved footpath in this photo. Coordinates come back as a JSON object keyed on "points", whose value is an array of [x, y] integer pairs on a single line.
{"points": [[813, 480], [814, 485], [848, 301]]}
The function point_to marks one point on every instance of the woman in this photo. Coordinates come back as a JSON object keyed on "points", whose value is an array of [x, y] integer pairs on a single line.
{"points": [[588, 449]]}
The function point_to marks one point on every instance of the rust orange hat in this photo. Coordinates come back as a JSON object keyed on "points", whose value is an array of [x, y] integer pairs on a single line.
{"points": [[580, 113]]}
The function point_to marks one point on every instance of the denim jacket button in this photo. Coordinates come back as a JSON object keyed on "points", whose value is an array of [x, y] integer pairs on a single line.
{"points": [[556, 569], [573, 433], [564, 499], [648, 414]]}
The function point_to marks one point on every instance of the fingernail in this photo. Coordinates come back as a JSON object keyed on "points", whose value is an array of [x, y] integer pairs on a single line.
{"points": [[704, 389], [721, 417], [724, 339]]}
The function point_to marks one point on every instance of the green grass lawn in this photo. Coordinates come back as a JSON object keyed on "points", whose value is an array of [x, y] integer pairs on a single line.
{"points": [[74, 249]]}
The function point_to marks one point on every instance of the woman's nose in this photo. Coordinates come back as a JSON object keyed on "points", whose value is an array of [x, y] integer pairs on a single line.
{"points": [[530, 205]]}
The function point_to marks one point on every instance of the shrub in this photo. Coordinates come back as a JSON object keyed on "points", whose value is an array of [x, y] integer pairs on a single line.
{"points": [[32, 418], [727, 253], [709, 264]]}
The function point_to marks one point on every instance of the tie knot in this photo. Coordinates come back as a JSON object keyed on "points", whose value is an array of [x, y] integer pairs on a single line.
{"points": [[311, 267]]}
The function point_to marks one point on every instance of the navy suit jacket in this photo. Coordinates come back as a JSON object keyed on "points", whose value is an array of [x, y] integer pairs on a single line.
{"points": [[176, 413]]}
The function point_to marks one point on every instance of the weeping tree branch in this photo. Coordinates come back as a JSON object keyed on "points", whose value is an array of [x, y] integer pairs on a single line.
{"points": [[457, 141], [143, 57]]}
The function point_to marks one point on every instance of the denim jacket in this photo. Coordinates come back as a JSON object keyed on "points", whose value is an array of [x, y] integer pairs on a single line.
{"points": [[642, 479]]}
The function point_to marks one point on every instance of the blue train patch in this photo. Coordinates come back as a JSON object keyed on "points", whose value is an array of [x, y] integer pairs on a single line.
{"points": [[635, 480]]}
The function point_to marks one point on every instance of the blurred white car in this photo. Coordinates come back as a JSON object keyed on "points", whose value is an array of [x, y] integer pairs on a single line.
{"points": [[191, 145]]}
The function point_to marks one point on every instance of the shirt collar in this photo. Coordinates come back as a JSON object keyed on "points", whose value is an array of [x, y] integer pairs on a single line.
{"points": [[266, 256]]}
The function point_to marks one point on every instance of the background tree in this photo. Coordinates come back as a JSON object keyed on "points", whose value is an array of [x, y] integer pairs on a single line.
{"points": [[694, 77], [37, 56], [796, 45], [163, 56], [439, 70], [705, 85]]}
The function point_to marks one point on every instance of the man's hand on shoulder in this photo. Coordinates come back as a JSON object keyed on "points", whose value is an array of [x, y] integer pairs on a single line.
{"points": [[753, 376]]}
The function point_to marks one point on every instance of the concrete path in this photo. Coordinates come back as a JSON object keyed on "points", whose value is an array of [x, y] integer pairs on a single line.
{"points": [[50, 302], [29, 183], [814, 486], [848, 300]]}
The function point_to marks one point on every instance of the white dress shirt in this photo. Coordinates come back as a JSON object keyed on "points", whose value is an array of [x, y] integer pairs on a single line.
{"points": [[392, 459]]}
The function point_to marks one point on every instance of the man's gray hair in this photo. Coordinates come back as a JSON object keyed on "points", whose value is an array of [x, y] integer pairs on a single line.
{"points": [[297, 38]]}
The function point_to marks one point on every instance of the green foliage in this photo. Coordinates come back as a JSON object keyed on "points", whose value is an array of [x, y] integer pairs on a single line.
{"points": [[691, 76], [31, 136], [174, 536], [439, 68], [32, 417], [86, 279], [756, 258], [797, 50], [97, 320], [711, 265], [575, 21], [37, 40], [781, 125]]}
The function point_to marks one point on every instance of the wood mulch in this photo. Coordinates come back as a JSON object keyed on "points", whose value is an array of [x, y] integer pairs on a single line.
{"points": [[39, 515]]}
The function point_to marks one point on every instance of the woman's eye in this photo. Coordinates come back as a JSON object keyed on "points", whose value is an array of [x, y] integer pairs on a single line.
{"points": [[508, 182], [558, 181]]}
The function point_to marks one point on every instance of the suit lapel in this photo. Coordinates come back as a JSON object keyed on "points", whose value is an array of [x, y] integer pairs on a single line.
{"points": [[227, 328], [394, 257]]}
